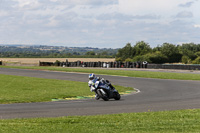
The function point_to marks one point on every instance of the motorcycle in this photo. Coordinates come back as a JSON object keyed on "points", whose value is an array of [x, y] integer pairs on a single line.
{"points": [[105, 91]]}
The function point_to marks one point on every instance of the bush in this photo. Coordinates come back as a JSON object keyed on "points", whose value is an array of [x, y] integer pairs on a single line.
{"points": [[128, 60], [196, 61], [118, 59], [185, 59], [197, 53], [141, 58], [57, 63], [156, 57]]}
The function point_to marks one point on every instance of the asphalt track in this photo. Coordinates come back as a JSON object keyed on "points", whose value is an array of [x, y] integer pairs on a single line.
{"points": [[155, 95]]}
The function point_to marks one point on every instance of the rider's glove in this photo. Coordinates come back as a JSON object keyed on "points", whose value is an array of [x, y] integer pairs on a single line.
{"points": [[90, 83], [92, 88]]}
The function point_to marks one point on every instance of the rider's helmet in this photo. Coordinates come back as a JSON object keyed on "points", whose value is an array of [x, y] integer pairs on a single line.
{"points": [[91, 76]]}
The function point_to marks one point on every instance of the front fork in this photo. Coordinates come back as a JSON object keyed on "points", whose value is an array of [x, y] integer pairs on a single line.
{"points": [[100, 92]]}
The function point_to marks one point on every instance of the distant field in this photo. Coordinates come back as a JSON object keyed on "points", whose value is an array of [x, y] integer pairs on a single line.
{"points": [[36, 60]]}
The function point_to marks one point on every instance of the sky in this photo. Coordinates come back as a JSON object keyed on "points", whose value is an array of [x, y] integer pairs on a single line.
{"points": [[99, 23]]}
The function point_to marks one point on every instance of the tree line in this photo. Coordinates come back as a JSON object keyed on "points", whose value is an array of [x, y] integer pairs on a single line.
{"points": [[187, 53], [55, 52], [55, 55]]}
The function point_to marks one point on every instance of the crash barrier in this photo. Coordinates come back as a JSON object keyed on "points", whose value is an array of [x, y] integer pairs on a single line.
{"points": [[121, 65], [46, 64], [96, 64], [174, 66], [105, 64]]}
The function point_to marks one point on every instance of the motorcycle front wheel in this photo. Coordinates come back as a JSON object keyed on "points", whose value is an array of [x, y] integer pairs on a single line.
{"points": [[117, 96], [103, 96]]}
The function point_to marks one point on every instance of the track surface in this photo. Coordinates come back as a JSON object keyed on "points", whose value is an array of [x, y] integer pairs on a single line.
{"points": [[155, 95]]}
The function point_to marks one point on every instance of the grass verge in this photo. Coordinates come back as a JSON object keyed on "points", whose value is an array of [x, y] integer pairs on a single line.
{"points": [[19, 89], [141, 74], [151, 122]]}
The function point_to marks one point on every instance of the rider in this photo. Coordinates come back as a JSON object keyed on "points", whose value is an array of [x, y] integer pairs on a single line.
{"points": [[93, 79]]}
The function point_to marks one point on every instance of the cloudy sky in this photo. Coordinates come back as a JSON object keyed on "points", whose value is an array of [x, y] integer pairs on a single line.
{"points": [[99, 23]]}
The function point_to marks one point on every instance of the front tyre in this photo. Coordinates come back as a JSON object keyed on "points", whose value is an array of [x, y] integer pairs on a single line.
{"points": [[117, 96], [103, 95], [105, 98]]}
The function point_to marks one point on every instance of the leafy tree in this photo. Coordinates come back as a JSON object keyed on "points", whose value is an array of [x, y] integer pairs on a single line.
{"points": [[104, 53], [125, 52], [191, 47], [76, 53], [158, 48], [69, 54], [188, 53], [142, 48], [189, 50], [171, 51], [157, 57], [168, 49], [90, 53]]}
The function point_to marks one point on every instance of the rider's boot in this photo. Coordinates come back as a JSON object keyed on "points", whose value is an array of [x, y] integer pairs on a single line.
{"points": [[97, 97]]}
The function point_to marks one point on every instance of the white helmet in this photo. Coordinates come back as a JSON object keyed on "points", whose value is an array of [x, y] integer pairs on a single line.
{"points": [[91, 76]]}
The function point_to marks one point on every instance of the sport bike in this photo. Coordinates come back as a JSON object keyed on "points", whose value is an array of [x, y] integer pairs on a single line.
{"points": [[105, 91]]}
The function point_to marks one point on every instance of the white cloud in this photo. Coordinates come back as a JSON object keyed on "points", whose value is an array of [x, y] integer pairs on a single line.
{"points": [[3, 13], [147, 6], [86, 2], [184, 14], [106, 23], [28, 4], [197, 25], [54, 0], [53, 22], [187, 4]]}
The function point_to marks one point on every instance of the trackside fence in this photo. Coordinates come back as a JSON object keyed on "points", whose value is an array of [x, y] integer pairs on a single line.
{"points": [[121, 65], [174, 66]]}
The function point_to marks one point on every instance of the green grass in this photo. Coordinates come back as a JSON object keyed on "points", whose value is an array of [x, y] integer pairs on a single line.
{"points": [[152, 122], [142, 74], [19, 89]]}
